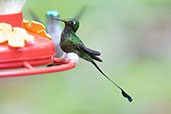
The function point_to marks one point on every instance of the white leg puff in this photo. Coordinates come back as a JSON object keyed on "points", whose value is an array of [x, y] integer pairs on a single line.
{"points": [[72, 56]]}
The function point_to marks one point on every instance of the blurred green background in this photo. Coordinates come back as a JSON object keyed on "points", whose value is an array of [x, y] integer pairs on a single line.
{"points": [[134, 37]]}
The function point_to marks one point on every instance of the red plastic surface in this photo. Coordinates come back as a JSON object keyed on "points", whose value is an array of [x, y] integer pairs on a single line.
{"points": [[33, 71], [40, 52], [15, 19]]}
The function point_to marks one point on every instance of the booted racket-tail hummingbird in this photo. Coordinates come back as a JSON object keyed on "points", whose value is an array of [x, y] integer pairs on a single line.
{"points": [[70, 42]]}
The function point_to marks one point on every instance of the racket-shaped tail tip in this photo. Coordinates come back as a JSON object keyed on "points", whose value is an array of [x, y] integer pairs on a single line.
{"points": [[127, 96]]}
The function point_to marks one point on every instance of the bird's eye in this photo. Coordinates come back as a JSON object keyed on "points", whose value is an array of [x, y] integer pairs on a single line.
{"points": [[72, 22]]}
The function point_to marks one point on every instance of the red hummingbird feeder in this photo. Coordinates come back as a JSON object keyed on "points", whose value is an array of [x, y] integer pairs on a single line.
{"points": [[41, 52]]}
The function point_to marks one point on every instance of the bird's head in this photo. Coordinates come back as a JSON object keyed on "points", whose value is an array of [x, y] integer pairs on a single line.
{"points": [[71, 22]]}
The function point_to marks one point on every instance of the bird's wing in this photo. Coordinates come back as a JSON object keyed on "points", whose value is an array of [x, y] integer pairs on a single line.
{"points": [[93, 54], [81, 50], [88, 50], [79, 45], [81, 12], [34, 16]]}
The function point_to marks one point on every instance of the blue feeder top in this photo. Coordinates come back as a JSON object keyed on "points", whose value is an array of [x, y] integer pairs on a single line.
{"points": [[53, 13]]}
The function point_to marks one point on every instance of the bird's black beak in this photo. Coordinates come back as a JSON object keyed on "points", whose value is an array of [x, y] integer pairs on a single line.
{"points": [[59, 19]]}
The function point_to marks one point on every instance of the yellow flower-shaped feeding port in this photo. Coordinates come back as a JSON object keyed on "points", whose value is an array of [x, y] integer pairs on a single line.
{"points": [[36, 28], [16, 36]]}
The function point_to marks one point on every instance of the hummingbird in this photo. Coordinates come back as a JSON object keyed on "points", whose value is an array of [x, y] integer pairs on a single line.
{"points": [[70, 42]]}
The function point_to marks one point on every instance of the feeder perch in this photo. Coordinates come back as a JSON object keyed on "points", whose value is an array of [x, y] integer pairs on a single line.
{"points": [[39, 53]]}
